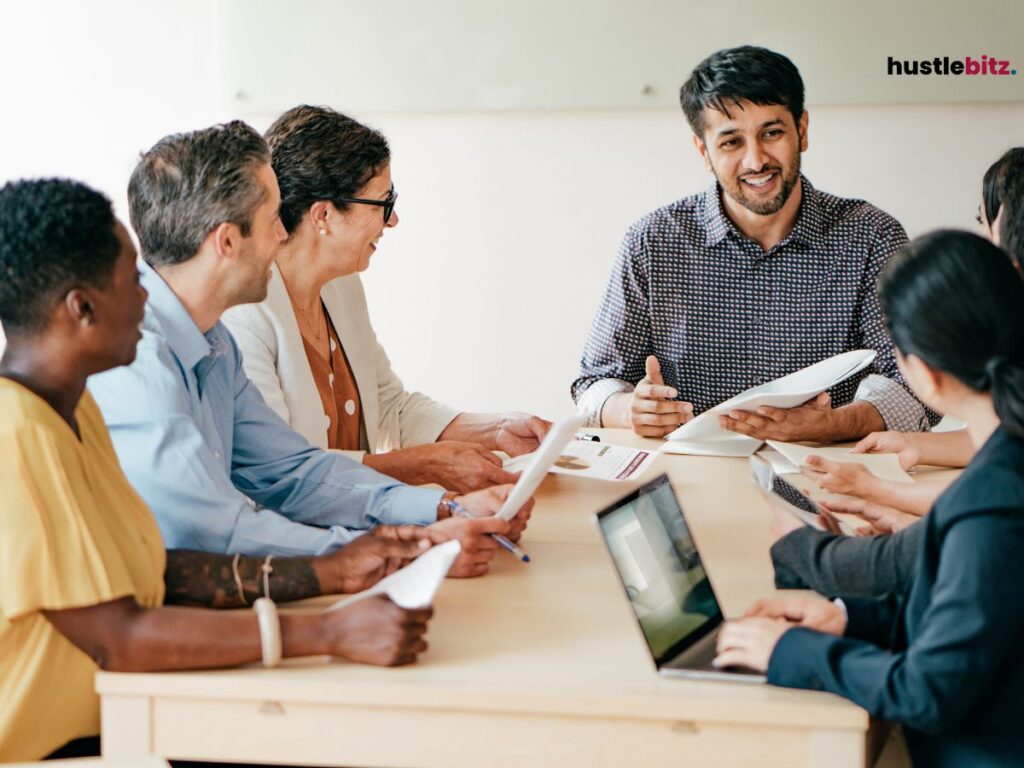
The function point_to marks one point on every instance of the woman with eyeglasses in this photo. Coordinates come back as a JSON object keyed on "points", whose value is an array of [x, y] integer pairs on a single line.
{"points": [[310, 348], [941, 656]]}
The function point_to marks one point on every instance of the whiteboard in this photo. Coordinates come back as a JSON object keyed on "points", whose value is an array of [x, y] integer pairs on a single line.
{"points": [[450, 55]]}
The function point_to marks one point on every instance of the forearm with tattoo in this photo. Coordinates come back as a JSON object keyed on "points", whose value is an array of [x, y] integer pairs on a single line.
{"points": [[205, 579]]}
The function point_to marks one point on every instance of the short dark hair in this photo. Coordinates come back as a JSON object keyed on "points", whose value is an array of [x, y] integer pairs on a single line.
{"points": [[55, 235], [1008, 197], [321, 154], [747, 73], [954, 300], [992, 183], [188, 184]]}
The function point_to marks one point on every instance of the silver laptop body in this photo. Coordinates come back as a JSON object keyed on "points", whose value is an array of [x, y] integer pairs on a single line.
{"points": [[668, 589]]}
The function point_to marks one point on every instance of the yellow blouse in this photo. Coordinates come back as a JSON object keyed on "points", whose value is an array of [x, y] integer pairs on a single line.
{"points": [[73, 533]]}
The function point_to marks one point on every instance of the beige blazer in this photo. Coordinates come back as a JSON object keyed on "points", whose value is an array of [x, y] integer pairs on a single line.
{"points": [[275, 361]]}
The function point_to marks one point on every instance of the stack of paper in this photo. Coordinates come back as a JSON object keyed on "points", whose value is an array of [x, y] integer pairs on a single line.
{"points": [[703, 437], [415, 585]]}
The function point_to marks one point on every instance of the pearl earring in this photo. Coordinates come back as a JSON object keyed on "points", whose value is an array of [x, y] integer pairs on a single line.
{"points": [[323, 231]]}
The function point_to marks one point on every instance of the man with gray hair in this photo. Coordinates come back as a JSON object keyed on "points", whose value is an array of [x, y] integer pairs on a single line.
{"points": [[192, 433]]}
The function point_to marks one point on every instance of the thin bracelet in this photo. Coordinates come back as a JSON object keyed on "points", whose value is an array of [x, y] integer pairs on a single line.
{"points": [[238, 579], [270, 630], [445, 504], [267, 569]]}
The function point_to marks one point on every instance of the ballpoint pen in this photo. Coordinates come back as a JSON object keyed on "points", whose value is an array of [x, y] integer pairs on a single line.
{"points": [[461, 511]]}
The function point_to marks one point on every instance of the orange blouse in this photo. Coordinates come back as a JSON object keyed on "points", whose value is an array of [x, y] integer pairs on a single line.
{"points": [[338, 392]]}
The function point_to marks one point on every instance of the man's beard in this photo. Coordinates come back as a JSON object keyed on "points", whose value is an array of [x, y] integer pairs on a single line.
{"points": [[764, 207]]}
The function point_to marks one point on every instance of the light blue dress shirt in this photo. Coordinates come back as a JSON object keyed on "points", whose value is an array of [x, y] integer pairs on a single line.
{"points": [[195, 439]]}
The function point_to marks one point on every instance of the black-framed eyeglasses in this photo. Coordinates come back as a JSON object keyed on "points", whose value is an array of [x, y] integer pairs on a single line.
{"points": [[388, 203]]}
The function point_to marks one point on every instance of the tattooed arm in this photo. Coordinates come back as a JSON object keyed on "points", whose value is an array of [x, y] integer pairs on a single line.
{"points": [[206, 579]]}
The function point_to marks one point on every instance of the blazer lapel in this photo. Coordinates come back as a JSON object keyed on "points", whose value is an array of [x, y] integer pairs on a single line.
{"points": [[307, 413]]}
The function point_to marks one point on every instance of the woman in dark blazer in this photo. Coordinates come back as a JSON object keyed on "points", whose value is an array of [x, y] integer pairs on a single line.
{"points": [[943, 656]]}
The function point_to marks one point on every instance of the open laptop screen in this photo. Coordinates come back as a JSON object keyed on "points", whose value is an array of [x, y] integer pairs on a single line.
{"points": [[660, 568]]}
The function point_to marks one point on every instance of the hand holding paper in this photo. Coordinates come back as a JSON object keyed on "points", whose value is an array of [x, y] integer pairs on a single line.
{"points": [[415, 585], [810, 421], [704, 435], [536, 470]]}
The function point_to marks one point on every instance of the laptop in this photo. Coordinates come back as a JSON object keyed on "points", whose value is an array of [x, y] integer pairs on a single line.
{"points": [[665, 582]]}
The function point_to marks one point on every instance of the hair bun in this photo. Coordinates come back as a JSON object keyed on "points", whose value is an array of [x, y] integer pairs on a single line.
{"points": [[994, 369]]}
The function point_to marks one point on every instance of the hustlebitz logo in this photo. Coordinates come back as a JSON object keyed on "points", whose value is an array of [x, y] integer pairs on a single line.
{"points": [[943, 65]]}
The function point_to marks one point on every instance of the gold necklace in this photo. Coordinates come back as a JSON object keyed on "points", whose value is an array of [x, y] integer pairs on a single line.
{"points": [[317, 331]]}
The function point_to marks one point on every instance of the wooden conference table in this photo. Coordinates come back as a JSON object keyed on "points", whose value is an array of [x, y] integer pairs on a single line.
{"points": [[532, 665]]}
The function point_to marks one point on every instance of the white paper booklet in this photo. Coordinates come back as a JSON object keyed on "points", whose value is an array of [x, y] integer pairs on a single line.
{"points": [[415, 585], [539, 464], [885, 466], [600, 461], [703, 437]]}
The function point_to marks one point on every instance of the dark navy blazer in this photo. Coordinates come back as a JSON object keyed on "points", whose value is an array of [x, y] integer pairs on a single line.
{"points": [[946, 657]]}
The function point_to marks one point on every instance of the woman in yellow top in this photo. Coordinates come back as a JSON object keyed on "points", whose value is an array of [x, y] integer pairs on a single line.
{"points": [[83, 571]]}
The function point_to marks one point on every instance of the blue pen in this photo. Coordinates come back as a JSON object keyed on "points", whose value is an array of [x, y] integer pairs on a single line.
{"points": [[461, 511]]}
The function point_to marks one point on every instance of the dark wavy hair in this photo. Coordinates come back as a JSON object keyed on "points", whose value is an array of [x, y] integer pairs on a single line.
{"points": [[319, 154], [189, 184], [747, 73], [1011, 225], [55, 235], [954, 300], [993, 183]]}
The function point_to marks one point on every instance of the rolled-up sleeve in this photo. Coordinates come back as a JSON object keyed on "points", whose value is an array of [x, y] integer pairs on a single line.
{"points": [[885, 389]]}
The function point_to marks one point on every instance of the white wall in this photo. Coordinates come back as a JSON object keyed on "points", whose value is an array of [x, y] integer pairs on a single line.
{"points": [[86, 86], [509, 221]]}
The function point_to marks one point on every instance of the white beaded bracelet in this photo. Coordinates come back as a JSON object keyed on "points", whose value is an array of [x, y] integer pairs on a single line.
{"points": [[270, 630]]}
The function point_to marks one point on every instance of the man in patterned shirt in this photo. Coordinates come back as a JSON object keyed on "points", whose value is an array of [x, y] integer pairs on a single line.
{"points": [[755, 278]]}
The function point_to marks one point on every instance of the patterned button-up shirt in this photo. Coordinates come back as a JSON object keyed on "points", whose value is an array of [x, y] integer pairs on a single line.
{"points": [[722, 315]]}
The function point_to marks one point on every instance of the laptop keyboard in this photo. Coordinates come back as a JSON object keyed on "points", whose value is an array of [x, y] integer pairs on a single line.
{"points": [[699, 659]]}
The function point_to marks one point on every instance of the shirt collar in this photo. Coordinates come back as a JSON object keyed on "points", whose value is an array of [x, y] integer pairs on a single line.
{"points": [[178, 329], [810, 221]]}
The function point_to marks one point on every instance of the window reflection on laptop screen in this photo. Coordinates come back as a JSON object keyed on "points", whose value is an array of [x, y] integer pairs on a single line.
{"points": [[661, 570]]}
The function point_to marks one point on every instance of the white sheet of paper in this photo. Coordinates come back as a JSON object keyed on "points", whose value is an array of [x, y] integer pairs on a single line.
{"points": [[786, 392], [730, 444], [598, 461], [885, 466], [780, 463], [534, 472], [415, 585]]}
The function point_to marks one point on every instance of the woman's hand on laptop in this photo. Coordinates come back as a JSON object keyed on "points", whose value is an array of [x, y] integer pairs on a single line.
{"points": [[749, 642], [811, 611]]}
